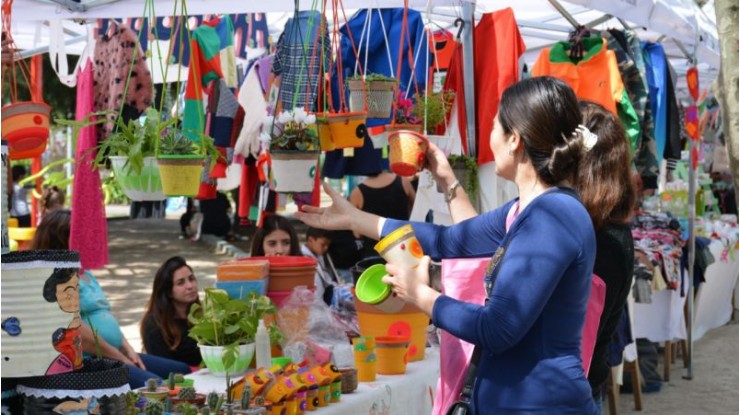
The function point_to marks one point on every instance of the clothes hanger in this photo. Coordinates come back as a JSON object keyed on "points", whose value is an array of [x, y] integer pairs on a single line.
{"points": [[575, 38]]}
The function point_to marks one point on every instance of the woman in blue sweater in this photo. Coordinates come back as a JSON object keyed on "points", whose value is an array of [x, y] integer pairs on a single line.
{"points": [[539, 280]]}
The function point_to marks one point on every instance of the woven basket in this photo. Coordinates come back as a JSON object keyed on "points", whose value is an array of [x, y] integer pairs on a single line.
{"points": [[408, 151], [349, 380], [379, 97], [390, 128]]}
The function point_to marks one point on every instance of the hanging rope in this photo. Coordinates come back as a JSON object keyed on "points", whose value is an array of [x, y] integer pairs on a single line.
{"points": [[16, 65]]}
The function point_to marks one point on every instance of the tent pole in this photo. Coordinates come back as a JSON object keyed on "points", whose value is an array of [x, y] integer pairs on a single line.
{"points": [[692, 238], [468, 13], [559, 7], [38, 51]]}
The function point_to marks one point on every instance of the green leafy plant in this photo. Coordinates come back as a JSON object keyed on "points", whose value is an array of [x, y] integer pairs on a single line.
{"points": [[228, 322], [470, 180], [370, 77], [433, 109], [291, 130], [177, 144]]}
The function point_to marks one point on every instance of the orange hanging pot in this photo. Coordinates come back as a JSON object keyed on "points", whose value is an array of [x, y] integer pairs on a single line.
{"points": [[25, 126], [408, 152], [348, 129]]}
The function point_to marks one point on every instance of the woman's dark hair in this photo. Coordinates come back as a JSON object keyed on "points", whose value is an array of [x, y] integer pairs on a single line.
{"points": [[544, 111], [160, 306], [59, 276], [53, 231], [18, 171], [269, 225], [604, 180], [317, 233], [52, 198]]}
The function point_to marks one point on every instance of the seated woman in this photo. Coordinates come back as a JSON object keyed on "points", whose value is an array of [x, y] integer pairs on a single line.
{"points": [[164, 327], [276, 237], [53, 233]]}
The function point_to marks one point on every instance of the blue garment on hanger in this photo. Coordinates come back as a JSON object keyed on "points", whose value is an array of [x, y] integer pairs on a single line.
{"points": [[657, 77], [367, 160]]}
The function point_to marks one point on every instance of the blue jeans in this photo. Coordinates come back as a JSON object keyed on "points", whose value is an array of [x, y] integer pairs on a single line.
{"points": [[599, 401], [156, 367]]}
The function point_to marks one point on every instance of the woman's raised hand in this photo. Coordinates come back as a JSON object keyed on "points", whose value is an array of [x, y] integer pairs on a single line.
{"points": [[339, 216], [437, 164]]}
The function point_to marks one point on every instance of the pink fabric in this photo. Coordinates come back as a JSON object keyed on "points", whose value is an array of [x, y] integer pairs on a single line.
{"points": [[593, 315], [89, 229], [462, 279], [512, 215]]}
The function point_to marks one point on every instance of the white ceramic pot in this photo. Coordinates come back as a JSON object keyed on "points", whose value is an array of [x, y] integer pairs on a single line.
{"points": [[294, 171], [212, 358]]}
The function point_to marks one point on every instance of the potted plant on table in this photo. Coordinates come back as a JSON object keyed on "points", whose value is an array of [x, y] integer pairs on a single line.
{"points": [[225, 327], [376, 89], [294, 150]]}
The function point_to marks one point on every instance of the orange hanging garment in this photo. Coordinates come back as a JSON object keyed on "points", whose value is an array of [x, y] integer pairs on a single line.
{"points": [[595, 78]]}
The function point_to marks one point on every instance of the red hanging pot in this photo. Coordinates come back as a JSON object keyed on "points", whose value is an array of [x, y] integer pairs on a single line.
{"points": [[25, 126]]}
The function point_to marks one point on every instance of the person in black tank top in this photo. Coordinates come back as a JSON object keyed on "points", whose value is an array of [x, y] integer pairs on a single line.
{"points": [[386, 195]]}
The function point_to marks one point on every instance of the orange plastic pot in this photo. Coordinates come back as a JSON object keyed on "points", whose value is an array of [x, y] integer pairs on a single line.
{"points": [[324, 132], [408, 323], [348, 129], [242, 270], [392, 352], [408, 152], [25, 126], [366, 371], [324, 395]]}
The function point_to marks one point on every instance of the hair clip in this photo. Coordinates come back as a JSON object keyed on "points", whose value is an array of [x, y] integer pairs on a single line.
{"points": [[588, 138]]}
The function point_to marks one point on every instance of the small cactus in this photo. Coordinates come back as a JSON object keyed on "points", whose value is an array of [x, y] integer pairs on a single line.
{"points": [[179, 378], [187, 393], [259, 401], [171, 381], [246, 397], [132, 398], [212, 399], [187, 409], [205, 411], [154, 408], [151, 385], [167, 404]]}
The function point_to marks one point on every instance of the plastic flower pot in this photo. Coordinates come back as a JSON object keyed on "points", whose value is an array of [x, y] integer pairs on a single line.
{"points": [[401, 248], [25, 126], [348, 129], [407, 152], [380, 95], [366, 371], [324, 395], [293, 171], [180, 174], [324, 132], [372, 290], [281, 361], [144, 186], [392, 354], [212, 358]]}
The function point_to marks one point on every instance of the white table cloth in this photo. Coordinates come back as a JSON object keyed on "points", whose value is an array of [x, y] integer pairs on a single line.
{"points": [[714, 297], [409, 394]]}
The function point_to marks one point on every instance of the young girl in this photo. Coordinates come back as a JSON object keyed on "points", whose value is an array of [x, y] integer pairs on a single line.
{"points": [[164, 327], [277, 237]]}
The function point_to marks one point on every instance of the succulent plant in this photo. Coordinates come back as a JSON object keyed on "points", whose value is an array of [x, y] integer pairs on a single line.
{"points": [[132, 398], [246, 397], [154, 408], [174, 143], [187, 393], [167, 404], [151, 385], [187, 409], [205, 411], [179, 378], [171, 381], [215, 401]]}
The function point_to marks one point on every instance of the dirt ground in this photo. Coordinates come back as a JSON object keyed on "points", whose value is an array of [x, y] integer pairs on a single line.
{"points": [[138, 247]]}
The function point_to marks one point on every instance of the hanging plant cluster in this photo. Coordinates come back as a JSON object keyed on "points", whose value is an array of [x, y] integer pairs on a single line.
{"points": [[291, 131]]}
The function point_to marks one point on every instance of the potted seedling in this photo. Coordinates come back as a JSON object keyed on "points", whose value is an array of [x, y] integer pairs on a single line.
{"points": [[152, 391], [225, 327], [378, 90], [294, 150], [188, 395]]}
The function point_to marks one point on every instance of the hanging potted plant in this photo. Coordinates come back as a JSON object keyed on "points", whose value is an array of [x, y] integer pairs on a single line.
{"points": [[466, 171], [377, 89], [180, 162], [225, 327], [403, 115], [432, 109], [294, 150]]}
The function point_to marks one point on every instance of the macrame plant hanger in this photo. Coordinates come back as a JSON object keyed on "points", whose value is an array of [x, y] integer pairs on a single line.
{"points": [[25, 124]]}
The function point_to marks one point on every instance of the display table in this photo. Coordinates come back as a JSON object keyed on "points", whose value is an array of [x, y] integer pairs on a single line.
{"points": [[408, 394]]}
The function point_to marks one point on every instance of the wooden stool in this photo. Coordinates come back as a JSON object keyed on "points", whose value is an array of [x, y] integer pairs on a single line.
{"points": [[670, 353], [634, 368]]}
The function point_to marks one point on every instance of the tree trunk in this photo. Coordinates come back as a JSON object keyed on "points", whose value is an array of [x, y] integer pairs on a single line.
{"points": [[726, 86]]}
